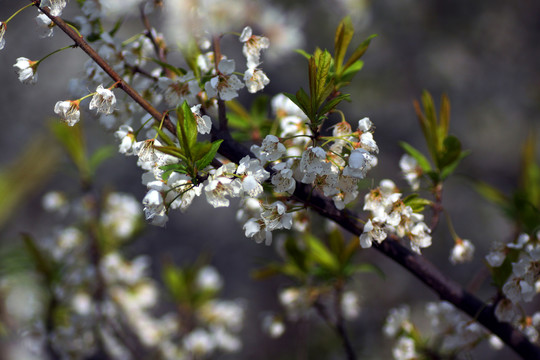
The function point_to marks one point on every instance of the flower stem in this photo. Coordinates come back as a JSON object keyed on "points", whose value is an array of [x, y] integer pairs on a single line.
{"points": [[18, 11], [54, 52]]}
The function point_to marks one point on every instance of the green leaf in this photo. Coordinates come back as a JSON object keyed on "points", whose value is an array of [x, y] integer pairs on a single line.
{"points": [[297, 255], [330, 105], [359, 52], [366, 268], [303, 53], [43, 265], [450, 152], [349, 73], [530, 170], [323, 63], [209, 156], [175, 283], [423, 162], [190, 125], [450, 168], [416, 203], [342, 39], [172, 68], [71, 138], [172, 150], [336, 242], [163, 136], [491, 193], [100, 155], [444, 116], [169, 169], [321, 254]]}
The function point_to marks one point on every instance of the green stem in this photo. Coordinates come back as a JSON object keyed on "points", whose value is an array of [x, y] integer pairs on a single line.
{"points": [[18, 11], [54, 52]]}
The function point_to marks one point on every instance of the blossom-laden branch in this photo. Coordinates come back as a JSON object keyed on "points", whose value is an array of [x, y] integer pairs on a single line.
{"points": [[121, 84], [414, 263]]}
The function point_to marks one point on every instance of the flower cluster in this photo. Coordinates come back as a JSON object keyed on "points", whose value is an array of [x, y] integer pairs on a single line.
{"points": [[390, 215], [108, 302], [450, 332], [522, 285]]}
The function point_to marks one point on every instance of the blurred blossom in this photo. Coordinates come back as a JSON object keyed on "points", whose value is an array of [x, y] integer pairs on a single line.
{"points": [[55, 201], [273, 326], [121, 214], [209, 279], [350, 305]]}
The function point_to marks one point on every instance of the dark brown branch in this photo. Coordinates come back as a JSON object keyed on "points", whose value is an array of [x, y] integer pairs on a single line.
{"points": [[418, 265]]}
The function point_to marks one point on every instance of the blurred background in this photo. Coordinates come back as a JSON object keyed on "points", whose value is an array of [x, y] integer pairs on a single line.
{"points": [[483, 54]]}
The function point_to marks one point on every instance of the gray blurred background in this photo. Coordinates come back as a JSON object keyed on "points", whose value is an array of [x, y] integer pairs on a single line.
{"points": [[484, 54]]}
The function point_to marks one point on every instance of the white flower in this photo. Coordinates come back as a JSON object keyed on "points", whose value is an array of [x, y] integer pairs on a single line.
{"points": [[54, 201], [176, 91], [154, 208], [252, 46], [45, 25], [253, 175], [270, 150], [275, 216], [121, 214], [103, 100], [226, 84], [199, 342], [368, 143], [313, 163], [360, 162], [26, 70], [55, 6], [405, 349], [218, 187], [273, 326], [255, 228], [364, 124], [127, 139], [223, 313], [411, 171], [372, 231], [2, 33], [225, 340], [69, 111], [183, 191], [521, 241], [209, 279], [462, 251], [282, 106], [496, 257], [255, 80], [419, 236], [350, 305], [204, 123], [397, 319], [282, 179]]}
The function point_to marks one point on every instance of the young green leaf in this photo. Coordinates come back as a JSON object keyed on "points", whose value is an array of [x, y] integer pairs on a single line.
{"points": [[359, 52], [209, 156], [342, 39], [423, 162]]}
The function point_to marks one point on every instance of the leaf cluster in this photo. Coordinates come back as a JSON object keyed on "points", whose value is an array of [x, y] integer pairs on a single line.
{"points": [[193, 155], [445, 150], [329, 74]]}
